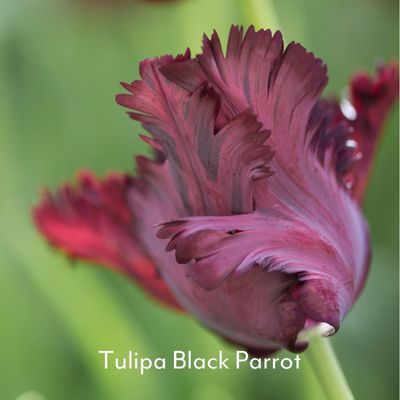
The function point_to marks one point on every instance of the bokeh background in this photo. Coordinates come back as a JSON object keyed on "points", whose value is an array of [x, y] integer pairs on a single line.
{"points": [[60, 64]]}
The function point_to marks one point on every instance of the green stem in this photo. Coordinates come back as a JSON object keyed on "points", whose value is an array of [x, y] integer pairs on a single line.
{"points": [[260, 13], [327, 370]]}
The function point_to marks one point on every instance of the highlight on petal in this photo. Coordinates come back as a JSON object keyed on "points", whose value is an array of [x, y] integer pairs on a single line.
{"points": [[93, 222], [372, 98], [348, 133]]}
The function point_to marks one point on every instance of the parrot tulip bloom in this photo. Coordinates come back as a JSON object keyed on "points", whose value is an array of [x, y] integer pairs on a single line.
{"points": [[248, 216]]}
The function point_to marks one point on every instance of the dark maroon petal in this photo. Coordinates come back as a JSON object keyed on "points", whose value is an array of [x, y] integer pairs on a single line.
{"points": [[320, 300], [213, 167], [372, 98], [345, 136], [93, 222], [254, 310], [281, 86], [321, 285], [222, 245]]}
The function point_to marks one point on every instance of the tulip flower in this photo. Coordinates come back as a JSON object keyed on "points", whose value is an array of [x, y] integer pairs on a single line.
{"points": [[249, 215]]}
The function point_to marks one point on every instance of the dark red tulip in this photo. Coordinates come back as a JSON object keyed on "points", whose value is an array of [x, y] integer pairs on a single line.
{"points": [[249, 214]]}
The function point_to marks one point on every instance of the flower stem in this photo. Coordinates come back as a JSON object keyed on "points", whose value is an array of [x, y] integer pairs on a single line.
{"points": [[327, 370]]}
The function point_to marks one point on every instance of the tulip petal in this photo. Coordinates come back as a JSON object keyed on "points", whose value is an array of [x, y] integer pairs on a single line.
{"points": [[218, 248], [281, 86], [93, 222], [213, 167], [364, 114]]}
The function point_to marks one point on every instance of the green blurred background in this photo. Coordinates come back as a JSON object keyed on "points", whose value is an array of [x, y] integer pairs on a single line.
{"points": [[60, 64]]}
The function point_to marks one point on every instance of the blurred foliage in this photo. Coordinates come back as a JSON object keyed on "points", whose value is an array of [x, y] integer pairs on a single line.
{"points": [[60, 62]]}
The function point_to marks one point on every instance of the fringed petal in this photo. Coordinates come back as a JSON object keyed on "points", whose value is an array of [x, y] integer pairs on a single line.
{"points": [[93, 222], [363, 116], [213, 166]]}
